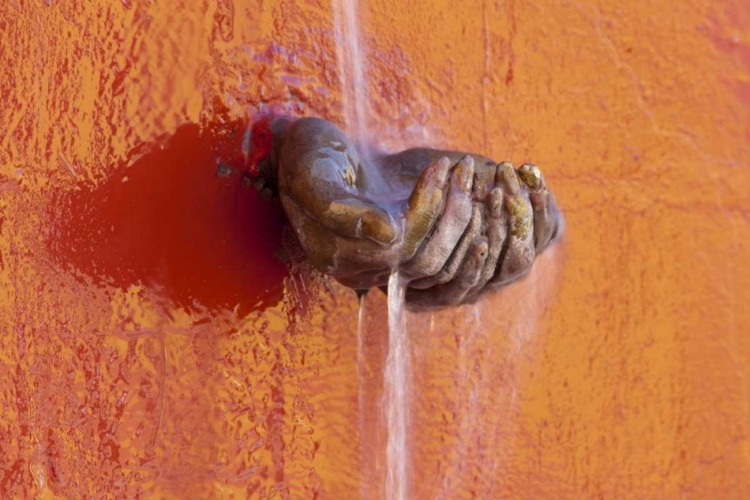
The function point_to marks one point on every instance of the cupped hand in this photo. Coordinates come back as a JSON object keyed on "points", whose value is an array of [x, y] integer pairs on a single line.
{"points": [[455, 225]]}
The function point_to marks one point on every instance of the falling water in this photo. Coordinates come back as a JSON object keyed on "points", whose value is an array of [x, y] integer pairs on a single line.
{"points": [[350, 58], [396, 382], [361, 353], [361, 374]]}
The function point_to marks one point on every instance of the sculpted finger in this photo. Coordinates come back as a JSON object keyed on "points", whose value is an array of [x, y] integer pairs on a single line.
{"points": [[435, 251], [355, 218], [335, 255], [457, 257], [497, 235], [453, 292], [546, 214], [517, 257], [425, 204]]}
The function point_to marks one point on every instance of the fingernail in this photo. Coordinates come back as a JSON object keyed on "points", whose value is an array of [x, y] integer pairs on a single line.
{"points": [[465, 173], [530, 175], [442, 169], [508, 174]]}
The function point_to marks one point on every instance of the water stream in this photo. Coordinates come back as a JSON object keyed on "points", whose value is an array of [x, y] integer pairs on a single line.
{"points": [[350, 58], [361, 385], [396, 392], [487, 378], [395, 404]]}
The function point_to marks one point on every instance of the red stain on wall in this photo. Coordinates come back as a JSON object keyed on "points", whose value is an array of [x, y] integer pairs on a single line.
{"points": [[180, 219]]}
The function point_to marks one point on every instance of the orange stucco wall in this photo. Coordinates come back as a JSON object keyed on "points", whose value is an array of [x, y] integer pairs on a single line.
{"points": [[153, 344]]}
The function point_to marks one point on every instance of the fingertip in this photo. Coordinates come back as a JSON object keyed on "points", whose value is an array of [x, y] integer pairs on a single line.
{"points": [[531, 176], [377, 226], [465, 173], [467, 161], [506, 176], [442, 168]]}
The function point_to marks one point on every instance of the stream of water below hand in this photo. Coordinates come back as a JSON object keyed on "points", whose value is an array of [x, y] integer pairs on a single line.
{"points": [[396, 392]]}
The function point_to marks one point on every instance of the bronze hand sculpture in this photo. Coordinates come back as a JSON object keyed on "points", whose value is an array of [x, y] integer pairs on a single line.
{"points": [[456, 225]]}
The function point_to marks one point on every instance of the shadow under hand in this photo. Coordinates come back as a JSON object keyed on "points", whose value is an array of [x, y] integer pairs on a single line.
{"points": [[180, 220]]}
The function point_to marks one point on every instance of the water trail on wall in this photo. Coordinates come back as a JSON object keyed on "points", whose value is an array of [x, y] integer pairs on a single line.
{"points": [[467, 396], [499, 339], [361, 374], [396, 382], [350, 58], [519, 330], [361, 352], [351, 65]]}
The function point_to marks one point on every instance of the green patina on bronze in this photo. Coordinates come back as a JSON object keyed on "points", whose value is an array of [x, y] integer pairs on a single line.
{"points": [[531, 176], [520, 210]]}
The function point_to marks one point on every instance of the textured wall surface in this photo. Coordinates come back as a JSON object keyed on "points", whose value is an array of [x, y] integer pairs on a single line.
{"points": [[157, 341]]}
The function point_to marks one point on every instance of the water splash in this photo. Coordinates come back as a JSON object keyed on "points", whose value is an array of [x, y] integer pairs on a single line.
{"points": [[350, 57], [396, 382]]}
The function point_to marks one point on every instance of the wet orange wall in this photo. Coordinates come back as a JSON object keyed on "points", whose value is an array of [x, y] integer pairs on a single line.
{"points": [[159, 337]]}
